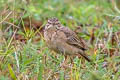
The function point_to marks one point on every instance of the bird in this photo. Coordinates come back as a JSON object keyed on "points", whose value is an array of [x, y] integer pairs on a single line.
{"points": [[63, 40]]}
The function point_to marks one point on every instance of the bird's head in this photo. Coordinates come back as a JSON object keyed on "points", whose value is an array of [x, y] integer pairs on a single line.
{"points": [[52, 23]]}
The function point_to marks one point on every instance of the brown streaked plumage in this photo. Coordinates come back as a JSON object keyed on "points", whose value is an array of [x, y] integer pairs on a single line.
{"points": [[63, 40]]}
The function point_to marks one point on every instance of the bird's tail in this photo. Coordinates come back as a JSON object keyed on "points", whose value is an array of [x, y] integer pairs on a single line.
{"points": [[85, 56]]}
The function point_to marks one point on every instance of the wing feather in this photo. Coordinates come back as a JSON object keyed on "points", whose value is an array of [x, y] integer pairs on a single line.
{"points": [[73, 39]]}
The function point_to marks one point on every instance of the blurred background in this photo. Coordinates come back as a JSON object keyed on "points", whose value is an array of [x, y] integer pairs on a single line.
{"points": [[24, 55]]}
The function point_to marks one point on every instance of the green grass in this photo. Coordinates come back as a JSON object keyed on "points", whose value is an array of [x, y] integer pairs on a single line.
{"points": [[25, 56]]}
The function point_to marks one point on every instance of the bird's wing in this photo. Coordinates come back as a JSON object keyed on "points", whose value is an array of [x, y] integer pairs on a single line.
{"points": [[73, 39]]}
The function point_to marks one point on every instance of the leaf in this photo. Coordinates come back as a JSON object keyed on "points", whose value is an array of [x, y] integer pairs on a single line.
{"points": [[12, 74], [40, 72], [61, 75]]}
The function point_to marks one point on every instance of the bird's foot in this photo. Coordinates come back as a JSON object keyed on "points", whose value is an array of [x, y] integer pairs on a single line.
{"points": [[63, 65]]}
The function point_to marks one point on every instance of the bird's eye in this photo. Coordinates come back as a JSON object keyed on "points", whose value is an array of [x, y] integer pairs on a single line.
{"points": [[47, 25], [49, 22], [56, 20]]}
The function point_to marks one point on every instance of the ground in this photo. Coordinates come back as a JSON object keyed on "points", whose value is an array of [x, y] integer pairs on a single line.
{"points": [[23, 51]]}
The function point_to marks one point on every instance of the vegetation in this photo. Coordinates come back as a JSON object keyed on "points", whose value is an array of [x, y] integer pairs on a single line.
{"points": [[24, 55]]}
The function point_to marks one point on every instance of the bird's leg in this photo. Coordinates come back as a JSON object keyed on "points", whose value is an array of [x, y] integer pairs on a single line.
{"points": [[71, 60], [64, 63], [66, 59]]}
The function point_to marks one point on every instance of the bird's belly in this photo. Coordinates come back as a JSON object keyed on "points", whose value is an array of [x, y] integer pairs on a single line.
{"points": [[63, 48], [68, 49], [57, 44]]}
